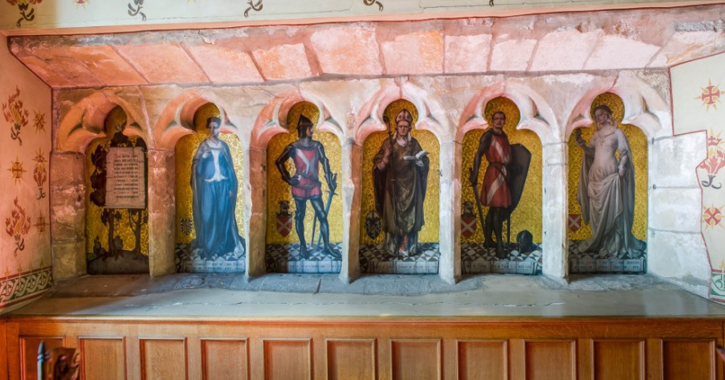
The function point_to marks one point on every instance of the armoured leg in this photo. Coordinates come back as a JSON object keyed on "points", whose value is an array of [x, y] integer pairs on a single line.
{"points": [[488, 229], [301, 207], [498, 230], [324, 226]]}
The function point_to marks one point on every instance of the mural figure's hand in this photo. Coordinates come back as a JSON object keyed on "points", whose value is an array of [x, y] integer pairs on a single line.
{"points": [[294, 181], [622, 172]]}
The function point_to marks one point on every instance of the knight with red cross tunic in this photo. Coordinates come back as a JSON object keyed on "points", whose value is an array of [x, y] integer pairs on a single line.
{"points": [[307, 155]]}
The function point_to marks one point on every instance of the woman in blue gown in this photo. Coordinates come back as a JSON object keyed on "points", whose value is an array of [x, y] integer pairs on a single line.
{"points": [[214, 186]]}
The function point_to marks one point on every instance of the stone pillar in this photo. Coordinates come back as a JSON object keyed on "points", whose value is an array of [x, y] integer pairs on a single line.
{"points": [[450, 211], [555, 209], [255, 210], [351, 203], [161, 211], [68, 214]]}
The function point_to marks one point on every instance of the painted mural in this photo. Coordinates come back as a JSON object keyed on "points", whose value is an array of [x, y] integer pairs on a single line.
{"points": [[116, 238], [208, 193], [400, 196], [25, 257], [607, 193], [304, 231], [503, 170], [697, 108]]}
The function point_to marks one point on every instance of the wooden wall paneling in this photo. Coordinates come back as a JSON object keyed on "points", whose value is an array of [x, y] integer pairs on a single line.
{"points": [[350, 359], [103, 358], [193, 355], [12, 341], [29, 353], [288, 359], [619, 359], [688, 359], [416, 359], [653, 354], [224, 359], [585, 359], [550, 359], [163, 358], [3, 351], [517, 359], [449, 358], [133, 353], [482, 359]]}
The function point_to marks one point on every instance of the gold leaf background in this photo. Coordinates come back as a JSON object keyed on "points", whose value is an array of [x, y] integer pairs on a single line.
{"points": [[528, 214], [278, 190], [94, 226], [185, 149], [428, 141], [638, 146]]}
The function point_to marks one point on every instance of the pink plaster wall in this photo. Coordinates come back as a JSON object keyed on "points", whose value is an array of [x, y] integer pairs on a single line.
{"points": [[25, 263]]}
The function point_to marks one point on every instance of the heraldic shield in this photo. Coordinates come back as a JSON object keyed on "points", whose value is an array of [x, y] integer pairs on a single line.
{"points": [[373, 224], [468, 220], [284, 219], [520, 158]]}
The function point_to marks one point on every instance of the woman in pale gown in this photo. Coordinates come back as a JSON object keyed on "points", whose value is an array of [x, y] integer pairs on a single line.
{"points": [[214, 186], [606, 190]]}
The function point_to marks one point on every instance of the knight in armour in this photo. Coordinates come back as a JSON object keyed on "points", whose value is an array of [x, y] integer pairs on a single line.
{"points": [[307, 155]]}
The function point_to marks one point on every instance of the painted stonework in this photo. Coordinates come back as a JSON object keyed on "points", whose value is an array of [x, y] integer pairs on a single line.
{"points": [[25, 256], [400, 193], [507, 195], [607, 193], [304, 233], [209, 222], [697, 108], [116, 238]]}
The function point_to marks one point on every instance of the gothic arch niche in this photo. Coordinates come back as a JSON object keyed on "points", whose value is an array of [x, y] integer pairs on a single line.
{"points": [[117, 237], [616, 204], [382, 252], [209, 210], [525, 207], [303, 161]]}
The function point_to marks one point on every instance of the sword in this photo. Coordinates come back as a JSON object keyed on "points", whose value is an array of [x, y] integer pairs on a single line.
{"points": [[330, 194], [478, 201]]}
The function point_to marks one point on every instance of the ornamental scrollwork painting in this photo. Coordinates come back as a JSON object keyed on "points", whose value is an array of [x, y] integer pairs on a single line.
{"points": [[370, 3], [16, 114], [17, 225], [27, 13], [135, 9], [255, 6]]}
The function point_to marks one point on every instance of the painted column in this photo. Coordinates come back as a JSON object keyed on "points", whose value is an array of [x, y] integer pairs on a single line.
{"points": [[449, 268], [351, 203], [555, 211], [255, 210], [161, 211], [68, 215]]}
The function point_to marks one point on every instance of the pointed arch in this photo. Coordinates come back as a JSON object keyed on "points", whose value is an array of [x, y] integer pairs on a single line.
{"points": [[84, 122], [536, 114]]}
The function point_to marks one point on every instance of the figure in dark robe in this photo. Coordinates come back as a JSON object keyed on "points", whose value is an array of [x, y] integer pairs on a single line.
{"points": [[214, 186], [400, 178], [307, 155], [606, 190]]}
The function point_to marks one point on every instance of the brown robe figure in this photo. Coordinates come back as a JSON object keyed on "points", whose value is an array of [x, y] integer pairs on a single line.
{"points": [[400, 178]]}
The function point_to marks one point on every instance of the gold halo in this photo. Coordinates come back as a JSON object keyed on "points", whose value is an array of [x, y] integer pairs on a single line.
{"points": [[307, 109], [392, 110], [505, 105], [612, 101]]}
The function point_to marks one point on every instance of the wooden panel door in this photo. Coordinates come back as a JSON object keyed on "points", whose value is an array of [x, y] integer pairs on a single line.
{"points": [[688, 359], [103, 358], [287, 359], [482, 359], [223, 359], [618, 360], [550, 360], [351, 359], [163, 359], [416, 359]]}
